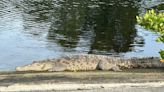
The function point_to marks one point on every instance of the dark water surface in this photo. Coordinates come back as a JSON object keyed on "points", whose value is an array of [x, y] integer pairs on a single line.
{"points": [[40, 29]]}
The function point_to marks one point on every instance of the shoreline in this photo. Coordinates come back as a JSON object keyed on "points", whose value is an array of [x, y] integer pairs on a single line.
{"points": [[89, 80]]}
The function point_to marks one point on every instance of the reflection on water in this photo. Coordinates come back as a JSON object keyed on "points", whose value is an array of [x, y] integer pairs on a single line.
{"points": [[111, 23], [38, 29]]}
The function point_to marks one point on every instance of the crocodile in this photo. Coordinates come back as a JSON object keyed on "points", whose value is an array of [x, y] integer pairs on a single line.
{"points": [[91, 62]]}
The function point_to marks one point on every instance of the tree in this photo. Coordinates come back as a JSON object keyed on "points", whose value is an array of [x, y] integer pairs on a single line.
{"points": [[155, 22]]}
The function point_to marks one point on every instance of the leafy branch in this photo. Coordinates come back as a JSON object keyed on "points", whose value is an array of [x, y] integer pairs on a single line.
{"points": [[155, 22]]}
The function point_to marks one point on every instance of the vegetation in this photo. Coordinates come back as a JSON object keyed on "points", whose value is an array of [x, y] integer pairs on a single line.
{"points": [[155, 22]]}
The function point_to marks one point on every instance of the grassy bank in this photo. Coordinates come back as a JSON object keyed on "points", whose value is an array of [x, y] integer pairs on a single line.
{"points": [[130, 76], [90, 79]]}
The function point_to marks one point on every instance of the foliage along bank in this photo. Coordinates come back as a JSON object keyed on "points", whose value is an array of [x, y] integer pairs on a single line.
{"points": [[155, 22]]}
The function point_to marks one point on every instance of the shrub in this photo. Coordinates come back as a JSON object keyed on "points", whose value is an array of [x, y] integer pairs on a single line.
{"points": [[155, 22]]}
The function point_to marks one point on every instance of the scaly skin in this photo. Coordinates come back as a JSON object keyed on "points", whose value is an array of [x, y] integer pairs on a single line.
{"points": [[91, 62]]}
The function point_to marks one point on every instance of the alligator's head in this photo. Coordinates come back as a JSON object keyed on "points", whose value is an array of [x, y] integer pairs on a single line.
{"points": [[36, 66]]}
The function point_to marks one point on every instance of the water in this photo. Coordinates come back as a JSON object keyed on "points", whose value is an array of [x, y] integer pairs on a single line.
{"points": [[40, 29]]}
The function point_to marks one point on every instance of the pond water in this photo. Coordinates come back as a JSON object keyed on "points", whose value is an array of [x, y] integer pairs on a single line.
{"points": [[40, 29]]}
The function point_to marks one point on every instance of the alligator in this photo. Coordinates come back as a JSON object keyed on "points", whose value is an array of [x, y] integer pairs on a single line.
{"points": [[92, 62]]}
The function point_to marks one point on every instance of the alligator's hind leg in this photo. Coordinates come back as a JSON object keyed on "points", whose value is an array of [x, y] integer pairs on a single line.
{"points": [[116, 68], [106, 65]]}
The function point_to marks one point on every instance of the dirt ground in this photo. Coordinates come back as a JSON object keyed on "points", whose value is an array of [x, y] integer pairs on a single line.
{"points": [[129, 79]]}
